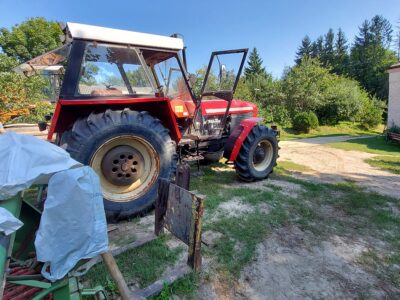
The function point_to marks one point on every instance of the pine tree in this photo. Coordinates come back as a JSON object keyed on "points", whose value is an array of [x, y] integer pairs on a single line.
{"points": [[341, 56], [327, 55], [254, 67], [381, 31], [305, 50], [370, 56], [317, 47]]}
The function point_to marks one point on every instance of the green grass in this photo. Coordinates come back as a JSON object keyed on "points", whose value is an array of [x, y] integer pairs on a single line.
{"points": [[388, 163], [343, 128], [240, 236], [185, 287], [375, 145], [291, 166], [142, 265]]}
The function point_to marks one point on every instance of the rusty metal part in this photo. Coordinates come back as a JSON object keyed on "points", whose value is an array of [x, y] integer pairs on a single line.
{"points": [[122, 165], [180, 212], [182, 177], [15, 292]]}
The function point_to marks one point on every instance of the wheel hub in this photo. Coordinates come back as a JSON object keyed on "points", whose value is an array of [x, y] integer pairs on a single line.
{"points": [[259, 154], [122, 165]]}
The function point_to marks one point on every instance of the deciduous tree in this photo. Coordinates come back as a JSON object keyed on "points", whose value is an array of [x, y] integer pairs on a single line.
{"points": [[30, 38]]}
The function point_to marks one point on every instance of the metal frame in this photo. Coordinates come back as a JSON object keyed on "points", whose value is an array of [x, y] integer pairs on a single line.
{"points": [[77, 52], [221, 94]]}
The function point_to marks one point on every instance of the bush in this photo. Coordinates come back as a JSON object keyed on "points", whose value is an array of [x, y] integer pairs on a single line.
{"points": [[342, 100], [371, 113], [305, 121], [19, 96]]}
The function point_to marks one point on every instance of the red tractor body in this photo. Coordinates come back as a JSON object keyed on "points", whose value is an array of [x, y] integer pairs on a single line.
{"points": [[127, 107]]}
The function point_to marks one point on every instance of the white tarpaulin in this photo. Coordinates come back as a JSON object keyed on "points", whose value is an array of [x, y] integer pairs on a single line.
{"points": [[27, 160], [8, 223], [73, 224]]}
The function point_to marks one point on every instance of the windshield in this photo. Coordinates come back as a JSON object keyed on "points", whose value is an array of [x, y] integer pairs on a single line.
{"points": [[112, 70], [171, 79]]}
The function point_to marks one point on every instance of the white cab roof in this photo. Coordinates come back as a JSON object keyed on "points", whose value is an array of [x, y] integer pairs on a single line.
{"points": [[103, 34]]}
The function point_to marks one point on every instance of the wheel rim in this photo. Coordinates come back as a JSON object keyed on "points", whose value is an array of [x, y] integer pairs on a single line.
{"points": [[127, 167], [262, 155]]}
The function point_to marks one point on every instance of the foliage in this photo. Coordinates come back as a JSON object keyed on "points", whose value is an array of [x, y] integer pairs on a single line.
{"points": [[370, 56], [31, 38], [343, 99], [7, 63], [254, 67], [371, 114], [317, 47], [199, 75], [20, 96], [305, 121], [328, 52], [368, 59], [304, 85], [305, 50], [341, 57]]}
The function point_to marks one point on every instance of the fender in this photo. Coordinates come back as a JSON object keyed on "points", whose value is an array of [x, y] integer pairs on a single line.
{"points": [[237, 137], [68, 111]]}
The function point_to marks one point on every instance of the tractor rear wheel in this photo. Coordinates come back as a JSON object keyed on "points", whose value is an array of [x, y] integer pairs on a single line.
{"points": [[129, 150], [258, 154]]}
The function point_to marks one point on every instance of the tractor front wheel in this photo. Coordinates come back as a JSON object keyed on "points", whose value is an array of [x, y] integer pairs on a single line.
{"points": [[258, 154], [129, 150]]}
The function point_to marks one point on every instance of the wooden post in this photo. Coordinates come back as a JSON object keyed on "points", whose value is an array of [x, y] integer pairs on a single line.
{"points": [[116, 275], [194, 256], [161, 205]]}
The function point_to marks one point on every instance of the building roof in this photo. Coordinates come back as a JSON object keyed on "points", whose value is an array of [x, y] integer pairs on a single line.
{"points": [[103, 34]]}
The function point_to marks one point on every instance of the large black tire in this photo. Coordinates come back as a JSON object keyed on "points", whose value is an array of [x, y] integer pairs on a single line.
{"points": [[129, 150], [258, 154]]}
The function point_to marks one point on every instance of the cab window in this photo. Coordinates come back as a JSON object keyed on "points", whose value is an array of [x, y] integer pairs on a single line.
{"points": [[112, 71]]}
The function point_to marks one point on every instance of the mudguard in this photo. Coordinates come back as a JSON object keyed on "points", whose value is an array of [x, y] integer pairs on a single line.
{"points": [[237, 137]]}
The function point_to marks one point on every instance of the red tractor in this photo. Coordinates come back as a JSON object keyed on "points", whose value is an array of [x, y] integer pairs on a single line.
{"points": [[128, 108]]}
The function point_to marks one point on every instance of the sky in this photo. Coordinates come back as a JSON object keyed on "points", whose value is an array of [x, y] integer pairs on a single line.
{"points": [[275, 28]]}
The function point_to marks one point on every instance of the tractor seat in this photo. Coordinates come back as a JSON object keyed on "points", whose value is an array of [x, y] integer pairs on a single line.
{"points": [[108, 92]]}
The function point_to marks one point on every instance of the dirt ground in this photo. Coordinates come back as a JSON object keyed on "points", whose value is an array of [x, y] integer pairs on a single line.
{"points": [[291, 265], [335, 165], [295, 264]]}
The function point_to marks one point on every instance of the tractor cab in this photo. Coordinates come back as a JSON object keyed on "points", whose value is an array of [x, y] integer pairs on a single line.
{"points": [[99, 64]]}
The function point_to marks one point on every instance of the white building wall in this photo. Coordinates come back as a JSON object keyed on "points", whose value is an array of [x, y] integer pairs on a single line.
{"points": [[394, 98]]}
